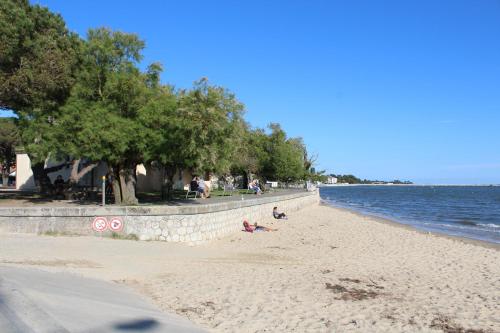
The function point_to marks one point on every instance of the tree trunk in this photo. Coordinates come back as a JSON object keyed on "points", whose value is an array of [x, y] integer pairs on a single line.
{"points": [[8, 153], [164, 183], [77, 175], [170, 185], [168, 182], [127, 186], [115, 182], [117, 191], [247, 178], [41, 176], [124, 185]]}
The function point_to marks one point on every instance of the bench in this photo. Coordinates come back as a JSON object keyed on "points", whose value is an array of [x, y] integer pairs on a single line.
{"points": [[229, 188], [188, 190], [271, 185]]}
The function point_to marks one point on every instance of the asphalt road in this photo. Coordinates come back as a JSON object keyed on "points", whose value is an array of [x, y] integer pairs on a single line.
{"points": [[33, 300]]}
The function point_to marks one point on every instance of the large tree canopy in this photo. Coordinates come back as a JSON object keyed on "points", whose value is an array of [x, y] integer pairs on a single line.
{"points": [[272, 156], [88, 99], [101, 120], [215, 120], [38, 58], [197, 129]]}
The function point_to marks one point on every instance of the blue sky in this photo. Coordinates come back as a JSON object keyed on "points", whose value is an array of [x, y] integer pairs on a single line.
{"points": [[379, 89]]}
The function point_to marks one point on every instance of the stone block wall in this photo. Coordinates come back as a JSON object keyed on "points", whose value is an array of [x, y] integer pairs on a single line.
{"points": [[192, 224]]}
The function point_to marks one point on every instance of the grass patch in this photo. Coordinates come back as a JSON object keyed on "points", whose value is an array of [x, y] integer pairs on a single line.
{"points": [[115, 235], [57, 233]]}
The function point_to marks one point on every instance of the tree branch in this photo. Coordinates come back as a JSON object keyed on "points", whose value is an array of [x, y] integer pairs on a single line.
{"points": [[75, 175]]}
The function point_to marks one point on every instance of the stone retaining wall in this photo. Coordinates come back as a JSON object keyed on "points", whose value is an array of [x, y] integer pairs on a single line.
{"points": [[194, 223]]}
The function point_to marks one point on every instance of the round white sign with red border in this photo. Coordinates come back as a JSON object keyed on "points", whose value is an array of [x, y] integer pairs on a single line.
{"points": [[116, 224], [100, 224]]}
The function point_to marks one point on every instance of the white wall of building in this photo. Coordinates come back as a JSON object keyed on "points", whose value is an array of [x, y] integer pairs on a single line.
{"points": [[24, 175], [148, 178]]}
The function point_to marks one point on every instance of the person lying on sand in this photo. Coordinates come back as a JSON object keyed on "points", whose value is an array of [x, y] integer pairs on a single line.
{"points": [[278, 215], [256, 228]]}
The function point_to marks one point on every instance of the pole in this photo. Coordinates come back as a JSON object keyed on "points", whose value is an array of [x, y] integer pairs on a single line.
{"points": [[104, 190]]}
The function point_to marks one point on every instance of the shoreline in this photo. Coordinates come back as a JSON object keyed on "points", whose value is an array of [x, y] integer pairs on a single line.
{"points": [[394, 223], [451, 185]]}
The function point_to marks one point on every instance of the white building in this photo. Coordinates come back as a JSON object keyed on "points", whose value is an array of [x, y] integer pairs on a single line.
{"points": [[331, 180], [148, 178]]}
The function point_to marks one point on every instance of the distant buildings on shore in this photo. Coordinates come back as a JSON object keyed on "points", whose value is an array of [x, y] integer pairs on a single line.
{"points": [[331, 180], [350, 179]]}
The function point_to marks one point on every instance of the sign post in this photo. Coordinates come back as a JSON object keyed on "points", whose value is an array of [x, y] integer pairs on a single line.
{"points": [[103, 190]]}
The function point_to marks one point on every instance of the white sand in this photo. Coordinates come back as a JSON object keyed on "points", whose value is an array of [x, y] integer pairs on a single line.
{"points": [[325, 270]]}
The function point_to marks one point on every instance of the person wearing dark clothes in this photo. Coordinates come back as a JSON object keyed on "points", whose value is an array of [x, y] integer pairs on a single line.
{"points": [[278, 215], [59, 186], [194, 184]]}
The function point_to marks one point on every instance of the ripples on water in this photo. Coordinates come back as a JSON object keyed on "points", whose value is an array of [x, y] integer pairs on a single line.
{"points": [[467, 211]]}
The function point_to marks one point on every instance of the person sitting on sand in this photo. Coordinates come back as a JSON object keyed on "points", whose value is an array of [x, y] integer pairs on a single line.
{"points": [[256, 228], [278, 215]]}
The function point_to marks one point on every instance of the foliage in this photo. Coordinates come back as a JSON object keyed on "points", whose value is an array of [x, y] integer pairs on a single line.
{"points": [[38, 58], [347, 179], [317, 176], [251, 155], [214, 117], [195, 129], [350, 179], [272, 156], [286, 156], [101, 119], [9, 138], [89, 100]]}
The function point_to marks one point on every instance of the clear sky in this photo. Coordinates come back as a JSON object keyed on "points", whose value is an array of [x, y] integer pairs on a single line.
{"points": [[379, 89]]}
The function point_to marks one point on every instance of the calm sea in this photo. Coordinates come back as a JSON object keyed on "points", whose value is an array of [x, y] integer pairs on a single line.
{"points": [[467, 211]]}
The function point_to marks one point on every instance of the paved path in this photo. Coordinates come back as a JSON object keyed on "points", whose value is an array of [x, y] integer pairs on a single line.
{"points": [[37, 301], [14, 199]]}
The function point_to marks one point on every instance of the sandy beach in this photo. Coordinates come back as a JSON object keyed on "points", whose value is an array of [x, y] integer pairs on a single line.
{"points": [[324, 270]]}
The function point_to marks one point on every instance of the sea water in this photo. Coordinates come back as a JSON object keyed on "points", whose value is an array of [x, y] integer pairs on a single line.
{"points": [[466, 211]]}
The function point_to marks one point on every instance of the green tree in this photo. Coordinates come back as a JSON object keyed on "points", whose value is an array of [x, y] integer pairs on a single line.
{"points": [[286, 156], [101, 120], [272, 156], [251, 156], [197, 129], [349, 179], [170, 139], [39, 58], [9, 138], [215, 121]]}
